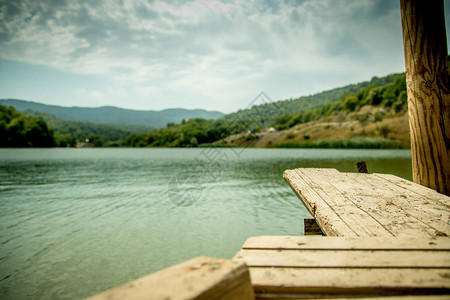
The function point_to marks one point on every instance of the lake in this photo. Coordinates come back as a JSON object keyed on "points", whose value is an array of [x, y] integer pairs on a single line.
{"points": [[75, 222]]}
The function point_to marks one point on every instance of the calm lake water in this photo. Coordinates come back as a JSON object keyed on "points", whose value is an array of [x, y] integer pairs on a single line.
{"points": [[74, 222]]}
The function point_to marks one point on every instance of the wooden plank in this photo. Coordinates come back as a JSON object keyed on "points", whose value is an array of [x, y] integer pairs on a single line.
{"points": [[328, 220], [358, 220], [350, 281], [429, 216], [344, 258], [369, 205], [311, 227], [199, 278], [333, 211], [337, 243], [430, 194], [376, 202]]}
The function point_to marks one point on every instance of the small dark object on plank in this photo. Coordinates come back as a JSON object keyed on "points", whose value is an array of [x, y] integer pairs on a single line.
{"points": [[362, 168], [311, 227]]}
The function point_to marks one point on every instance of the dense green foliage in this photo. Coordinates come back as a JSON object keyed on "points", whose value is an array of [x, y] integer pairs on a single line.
{"points": [[187, 134], [310, 103], [18, 130], [391, 95]]}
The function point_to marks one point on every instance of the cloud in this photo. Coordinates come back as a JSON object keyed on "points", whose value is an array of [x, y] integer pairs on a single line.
{"points": [[91, 95], [207, 51]]}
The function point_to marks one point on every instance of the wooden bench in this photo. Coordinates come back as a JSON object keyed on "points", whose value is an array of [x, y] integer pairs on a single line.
{"points": [[356, 204], [201, 278], [295, 267]]}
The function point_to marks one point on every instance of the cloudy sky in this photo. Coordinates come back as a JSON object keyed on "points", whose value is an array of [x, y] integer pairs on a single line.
{"points": [[210, 54]]}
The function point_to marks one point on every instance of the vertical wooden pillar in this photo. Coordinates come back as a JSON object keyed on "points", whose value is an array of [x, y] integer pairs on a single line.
{"points": [[427, 77]]}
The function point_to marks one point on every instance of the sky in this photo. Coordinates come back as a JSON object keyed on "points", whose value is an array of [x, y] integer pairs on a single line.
{"points": [[210, 54]]}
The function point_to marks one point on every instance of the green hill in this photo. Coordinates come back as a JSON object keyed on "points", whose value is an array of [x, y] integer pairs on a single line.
{"points": [[270, 110], [372, 117], [245, 127]]}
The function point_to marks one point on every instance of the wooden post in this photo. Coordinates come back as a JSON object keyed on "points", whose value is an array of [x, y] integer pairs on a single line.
{"points": [[427, 77], [311, 227]]}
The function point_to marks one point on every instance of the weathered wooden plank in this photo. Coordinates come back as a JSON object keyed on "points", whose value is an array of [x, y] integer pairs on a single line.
{"points": [[324, 183], [369, 205], [350, 281], [327, 198], [337, 243], [430, 194], [429, 216], [311, 227], [344, 258], [376, 199], [199, 278], [329, 221]]}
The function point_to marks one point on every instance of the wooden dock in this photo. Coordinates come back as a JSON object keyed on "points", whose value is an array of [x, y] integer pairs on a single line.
{"points": [[386, 237], [364, 205], [289, 267]]}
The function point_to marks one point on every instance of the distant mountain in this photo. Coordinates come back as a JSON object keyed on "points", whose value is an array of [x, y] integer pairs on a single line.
{"points": [[82, 130], [114, 115]]}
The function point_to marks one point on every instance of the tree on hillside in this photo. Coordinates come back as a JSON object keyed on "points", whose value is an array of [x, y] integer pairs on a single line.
{"points": [[38, 134], [384, 130], [18, 130], [375, 96], [350, 103]]}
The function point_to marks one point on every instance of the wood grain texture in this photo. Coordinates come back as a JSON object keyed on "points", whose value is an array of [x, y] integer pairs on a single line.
{"points": [[200, 278], [342, 243], [288, 267], [324, 258], [297, 283], [430, 194], [428, 86], [367, 205], [359, 281]]}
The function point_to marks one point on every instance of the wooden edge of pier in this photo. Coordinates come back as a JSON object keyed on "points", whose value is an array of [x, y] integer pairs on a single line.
{"points": [[369, 205], [301, 267], [200, 278]]}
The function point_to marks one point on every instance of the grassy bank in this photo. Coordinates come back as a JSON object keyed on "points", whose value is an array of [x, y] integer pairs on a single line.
{"points": [[350, 143]]}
